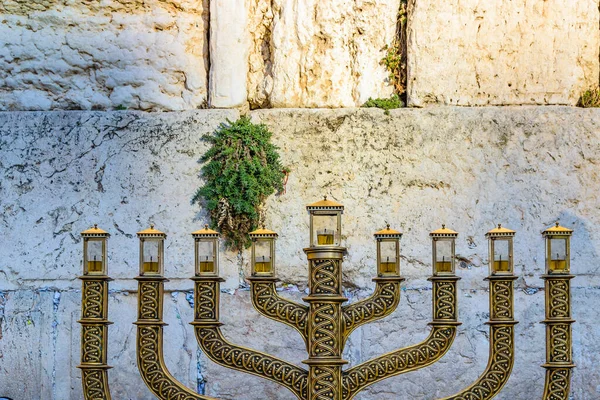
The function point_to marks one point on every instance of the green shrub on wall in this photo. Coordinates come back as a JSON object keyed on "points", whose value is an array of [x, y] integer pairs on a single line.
{"points": [[242, 169]]}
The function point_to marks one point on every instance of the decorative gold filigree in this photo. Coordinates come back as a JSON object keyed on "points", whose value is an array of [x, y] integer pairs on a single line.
{"points": [[93, 296], [399, 362], [324, 276], [502, 300], [382, 303], [559, 346], [241, 359], [206, 298], [267, 302], [558, 298], [95, 382], [499, 366], [325, 382], [444, 297], [559, 339], [324, 330], [558, 382], [150, 355], [94, 337]]}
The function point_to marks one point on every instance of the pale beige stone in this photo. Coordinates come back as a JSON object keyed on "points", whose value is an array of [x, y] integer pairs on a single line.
{"points": [[471, 52], [320, 54], [228, 53]]}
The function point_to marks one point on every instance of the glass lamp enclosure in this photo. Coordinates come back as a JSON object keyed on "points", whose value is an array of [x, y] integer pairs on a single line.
{"points": [[388, 257], [207, 259], [263, 257], [557, 254], [151, 256], [94, 254], [501, 260], [443, 256], [325, 227]]}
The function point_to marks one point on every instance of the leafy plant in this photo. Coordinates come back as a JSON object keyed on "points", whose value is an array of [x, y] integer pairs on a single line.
{"points": [[395, 54], [590, 98], [242, 169], [385, 104]]}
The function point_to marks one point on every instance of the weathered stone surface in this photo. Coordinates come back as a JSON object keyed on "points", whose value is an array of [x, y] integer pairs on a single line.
{"points": [[62, 54], [323, 54], [228, 53], [416, 168], [471, 52]]}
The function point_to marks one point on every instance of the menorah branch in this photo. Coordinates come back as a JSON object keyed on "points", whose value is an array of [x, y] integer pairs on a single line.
{"points": [[226, 354], [502, 346], [267, 302], [412, 358], [150, 353], [559, 359], [382, 303], [399, 362], [94, 337]]}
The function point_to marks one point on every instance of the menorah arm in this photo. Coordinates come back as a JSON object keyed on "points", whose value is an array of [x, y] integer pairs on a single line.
{"points": [[383, 302], [502, 344], [267, 302], [400, 361], [150, 355], [222, 352]]}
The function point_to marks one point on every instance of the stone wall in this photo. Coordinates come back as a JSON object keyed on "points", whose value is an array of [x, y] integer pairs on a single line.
{"points": [[188, 54], [470, 168]]}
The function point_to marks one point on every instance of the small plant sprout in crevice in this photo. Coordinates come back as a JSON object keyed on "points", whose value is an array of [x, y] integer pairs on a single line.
{"points": [[242, 169], [590, 98], [385, 104], [395, 59]]}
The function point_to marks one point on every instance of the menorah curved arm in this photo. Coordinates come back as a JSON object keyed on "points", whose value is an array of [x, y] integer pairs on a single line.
{"points": [[150, 354], [502, 346], [222, 352], [439, 341], [400, 361], [267, 301], [380, 304]]}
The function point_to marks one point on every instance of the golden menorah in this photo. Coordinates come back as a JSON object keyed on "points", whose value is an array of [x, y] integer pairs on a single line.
{"points": [[324, 322]]}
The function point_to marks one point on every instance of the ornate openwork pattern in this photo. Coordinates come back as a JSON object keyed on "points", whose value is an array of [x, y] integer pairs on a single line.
{"points": [[558, 304], [93, 306], [206, 299], [498, 369], [444, 297], [91, 346], [149, 292], [325, 382], [381, 304], [324, 276], [269, 304], [399, 362], [152, 367], [501, 305], [223, 353], [323, 340], [557, 384], [95, 381], [559, 342]]}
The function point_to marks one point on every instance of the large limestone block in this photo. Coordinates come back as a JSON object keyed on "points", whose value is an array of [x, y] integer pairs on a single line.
{"points": [[148, 55], [319, 53], [472, 52], [228, 53]]}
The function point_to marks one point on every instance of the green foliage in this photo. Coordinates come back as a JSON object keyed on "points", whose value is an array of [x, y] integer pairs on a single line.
{"points": [[590, 98], [242, 169], [120, 107], [395, 54], [385, 104]]}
